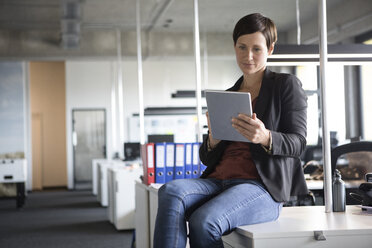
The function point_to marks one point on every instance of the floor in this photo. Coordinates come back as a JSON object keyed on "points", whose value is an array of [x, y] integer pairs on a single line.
{"points": [[59, 218]]}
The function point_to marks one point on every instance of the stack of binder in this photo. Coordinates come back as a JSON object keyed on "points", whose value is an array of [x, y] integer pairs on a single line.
{"points": [[164, 162]]}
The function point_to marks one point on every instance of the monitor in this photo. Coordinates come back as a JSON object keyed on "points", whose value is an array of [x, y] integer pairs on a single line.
{"points": [[132, 150], [158, 138]]}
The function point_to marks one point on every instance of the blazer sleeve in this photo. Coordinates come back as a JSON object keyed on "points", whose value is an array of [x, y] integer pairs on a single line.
{"points": [[210, 158], [290, 138]]}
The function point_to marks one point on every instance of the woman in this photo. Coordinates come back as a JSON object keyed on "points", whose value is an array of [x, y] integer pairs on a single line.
{"points": [[244, 183]]}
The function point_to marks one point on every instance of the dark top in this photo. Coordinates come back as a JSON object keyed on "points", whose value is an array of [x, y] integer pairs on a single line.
{"points": [[281, 105], [236, 161]]}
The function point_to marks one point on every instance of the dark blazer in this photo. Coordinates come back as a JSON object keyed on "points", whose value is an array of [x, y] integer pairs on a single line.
{"points": [[281, 105]]}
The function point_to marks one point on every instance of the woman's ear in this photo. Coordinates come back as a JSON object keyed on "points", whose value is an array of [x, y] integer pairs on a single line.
{"points": [[271, 50]]}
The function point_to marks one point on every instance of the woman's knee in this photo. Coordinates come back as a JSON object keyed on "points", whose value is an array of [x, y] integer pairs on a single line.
{"points": [[204, 223], [172, 190]]}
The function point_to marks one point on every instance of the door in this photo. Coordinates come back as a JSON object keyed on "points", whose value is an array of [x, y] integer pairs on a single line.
{"points": [[89, 142]]}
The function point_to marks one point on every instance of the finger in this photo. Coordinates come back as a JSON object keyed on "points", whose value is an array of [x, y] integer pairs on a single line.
{"points": [[245, 128], [249, 135], [244, 117], [246, 120]]}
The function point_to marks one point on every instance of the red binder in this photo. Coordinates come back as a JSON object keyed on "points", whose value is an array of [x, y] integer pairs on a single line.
{"points": [[148, 161]]}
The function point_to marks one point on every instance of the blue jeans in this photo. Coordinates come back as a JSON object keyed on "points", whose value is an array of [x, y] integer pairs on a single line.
{"points": [[212, 207]]}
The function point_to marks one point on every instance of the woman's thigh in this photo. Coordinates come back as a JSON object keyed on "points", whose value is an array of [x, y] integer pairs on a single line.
{"points": [[190, 192], [241, 204]]}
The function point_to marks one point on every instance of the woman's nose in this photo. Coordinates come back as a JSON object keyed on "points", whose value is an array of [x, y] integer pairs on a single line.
{"points": [[249, 55]]}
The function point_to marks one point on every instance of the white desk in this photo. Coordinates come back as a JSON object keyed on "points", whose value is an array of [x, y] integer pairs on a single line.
{"points": [[318, 184], [15, 171], [153, 208], [142, 219], [102, 182], [121, 184], [102, 190], [95, 163], [296, 225], [146, 211]]}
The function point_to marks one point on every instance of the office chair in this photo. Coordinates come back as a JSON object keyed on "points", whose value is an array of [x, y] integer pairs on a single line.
{"points": [[358, 146]]}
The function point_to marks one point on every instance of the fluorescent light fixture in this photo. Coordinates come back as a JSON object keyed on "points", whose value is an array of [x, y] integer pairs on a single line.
{"points": [[346, 53]]}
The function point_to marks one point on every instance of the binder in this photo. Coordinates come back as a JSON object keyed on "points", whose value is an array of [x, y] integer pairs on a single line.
{"points": [[195, 160], [188, 160], [202, 168], [179, 172], [169, 164], [160, 162], [148, 157]]}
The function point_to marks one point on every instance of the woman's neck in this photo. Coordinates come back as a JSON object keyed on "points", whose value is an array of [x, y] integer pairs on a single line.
{"points": [[252, 81]]}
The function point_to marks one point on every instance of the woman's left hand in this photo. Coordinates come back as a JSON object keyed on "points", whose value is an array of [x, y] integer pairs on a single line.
{"points": [[252, 128]]}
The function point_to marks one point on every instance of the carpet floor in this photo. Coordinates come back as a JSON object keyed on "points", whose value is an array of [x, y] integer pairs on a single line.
{"points": [[59, 219]]}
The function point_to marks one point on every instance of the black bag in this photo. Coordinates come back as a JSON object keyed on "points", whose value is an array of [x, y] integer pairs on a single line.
{"points": [[365, 198]]}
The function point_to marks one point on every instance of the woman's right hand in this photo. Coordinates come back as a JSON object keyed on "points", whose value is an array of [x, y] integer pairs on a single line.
{"points": [[212, 142]]}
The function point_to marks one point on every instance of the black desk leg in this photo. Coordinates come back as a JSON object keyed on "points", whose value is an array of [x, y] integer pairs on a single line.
{"points": [[20, 195]]}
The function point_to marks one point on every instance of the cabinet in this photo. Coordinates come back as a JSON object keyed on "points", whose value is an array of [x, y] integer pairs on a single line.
{"points": [[307, 227], [121, 195], [15, 171], [95, 163]]}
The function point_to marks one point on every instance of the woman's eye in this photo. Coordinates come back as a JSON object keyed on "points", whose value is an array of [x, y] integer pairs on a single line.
{"points": [[257, 49], [241, 47]]}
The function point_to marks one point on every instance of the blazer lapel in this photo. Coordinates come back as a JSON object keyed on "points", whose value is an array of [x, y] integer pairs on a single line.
{"points": [[264, 95]]}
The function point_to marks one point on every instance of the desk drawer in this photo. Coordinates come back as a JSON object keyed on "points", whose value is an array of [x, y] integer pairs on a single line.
{"points": [[13, 170]]}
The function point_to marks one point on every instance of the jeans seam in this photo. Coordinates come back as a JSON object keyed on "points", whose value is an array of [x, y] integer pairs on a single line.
{"points": [[187, 194], [177, 224], [182, 200]]}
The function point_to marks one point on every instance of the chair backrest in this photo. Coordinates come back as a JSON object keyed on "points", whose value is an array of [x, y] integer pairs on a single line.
{"points": [[357, 146]]}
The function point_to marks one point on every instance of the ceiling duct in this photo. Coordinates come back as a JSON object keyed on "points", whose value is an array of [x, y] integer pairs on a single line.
{"points": [[70, 24]]}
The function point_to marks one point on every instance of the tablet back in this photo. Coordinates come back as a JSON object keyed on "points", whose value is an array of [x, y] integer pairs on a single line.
{"points": [[222, 107]]}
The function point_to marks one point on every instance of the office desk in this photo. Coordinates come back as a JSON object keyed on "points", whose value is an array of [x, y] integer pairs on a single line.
{"points": [[95, 163], [15, 171], [146, 211], [121, 195], [296, 227], [102, 178], [142, 215], [316, 186]]}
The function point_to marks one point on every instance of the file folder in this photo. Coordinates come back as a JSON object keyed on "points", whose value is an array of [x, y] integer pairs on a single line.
{"points": [[169, 164], [148, 159], [160, 162], [202, 168], [188, 160], [179, 172], [195, 160]]}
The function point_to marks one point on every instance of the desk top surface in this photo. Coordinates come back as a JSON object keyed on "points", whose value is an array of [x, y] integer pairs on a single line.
{"points": [[318, 184], [303, 221]]}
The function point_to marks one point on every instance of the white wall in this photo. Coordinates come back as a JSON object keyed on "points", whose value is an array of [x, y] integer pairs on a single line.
{"points": [[88, 85]]}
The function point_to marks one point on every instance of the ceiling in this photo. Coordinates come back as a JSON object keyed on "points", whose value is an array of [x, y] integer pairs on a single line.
{"points": [[29, 27], [214, 15]]}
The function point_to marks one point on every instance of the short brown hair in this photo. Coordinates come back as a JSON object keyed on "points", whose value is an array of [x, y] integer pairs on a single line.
{"points": [[253, 23]]}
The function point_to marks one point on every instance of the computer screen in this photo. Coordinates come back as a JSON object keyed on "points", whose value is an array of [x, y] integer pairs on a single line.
{"points": [[158, 138], [132, 150]]}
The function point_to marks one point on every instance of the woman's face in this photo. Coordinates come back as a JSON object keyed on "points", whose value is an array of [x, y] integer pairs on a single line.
{"points": [[251, 53]]}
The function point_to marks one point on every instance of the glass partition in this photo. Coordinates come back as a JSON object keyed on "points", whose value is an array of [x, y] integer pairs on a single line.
{"points": [[12, 122]]}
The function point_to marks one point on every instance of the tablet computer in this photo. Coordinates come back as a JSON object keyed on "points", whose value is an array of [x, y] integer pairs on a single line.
{"points": [[222, 107]]}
